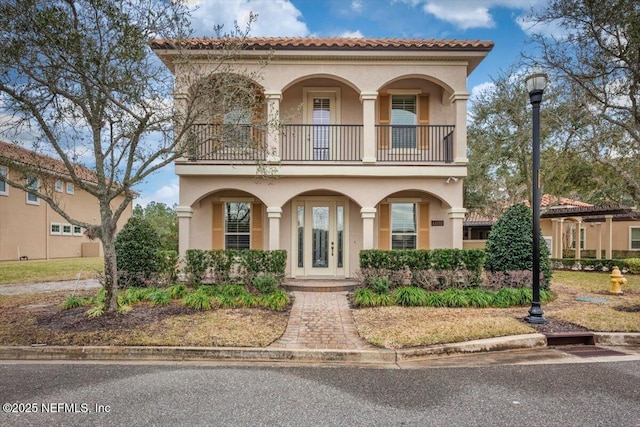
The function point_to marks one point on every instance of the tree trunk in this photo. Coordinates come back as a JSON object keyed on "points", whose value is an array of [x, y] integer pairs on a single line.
{"points": [[110, 267]]}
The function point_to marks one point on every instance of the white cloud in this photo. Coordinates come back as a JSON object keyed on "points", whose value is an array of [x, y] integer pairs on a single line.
{"points": [[352, 34], [356, 6], [167, 194], [466, 14], [275, 17], [486, 87]]}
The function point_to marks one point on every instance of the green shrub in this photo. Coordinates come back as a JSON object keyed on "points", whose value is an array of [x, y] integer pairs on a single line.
{"points": [[132, 295], [177, 291], [95, 311], [168, 265], [382, 300], [455, 298], [411, 296], [247, 300], [276, 301], [74, 302], [265, 284], [159, 297], [478, 298], [380, 285], [434, 299], [232, 291], [633, 264], [364, 297], [197, 300], [197, 264], [209, 290], [510, 242], [509, 297], [137, 252]]}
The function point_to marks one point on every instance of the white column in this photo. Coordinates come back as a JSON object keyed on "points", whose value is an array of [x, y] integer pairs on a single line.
{"points": [[578, 240], [456, 215], [274, 215], [184, 214], [273, 126], [368, 230], [560, 240], [609, 236], [459, 101], [554, 238], [599, 243], [368, 100]]}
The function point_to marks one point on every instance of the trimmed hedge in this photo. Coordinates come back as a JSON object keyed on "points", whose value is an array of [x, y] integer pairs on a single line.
{"points": [[423, 259], [403, 267], [224, 266], [629, 265]]}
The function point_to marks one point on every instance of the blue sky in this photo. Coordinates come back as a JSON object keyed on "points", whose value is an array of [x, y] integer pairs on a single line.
{"points": [[501, 21]]}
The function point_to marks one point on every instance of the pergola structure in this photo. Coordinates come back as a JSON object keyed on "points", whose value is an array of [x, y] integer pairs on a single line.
{"points": [[596, 215]]}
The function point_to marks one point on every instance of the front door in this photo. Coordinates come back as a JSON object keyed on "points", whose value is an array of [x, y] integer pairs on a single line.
{"points": [[320, 238]]}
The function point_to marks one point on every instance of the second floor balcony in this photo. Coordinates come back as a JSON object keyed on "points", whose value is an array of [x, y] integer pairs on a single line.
{"points": [[303, 143]]}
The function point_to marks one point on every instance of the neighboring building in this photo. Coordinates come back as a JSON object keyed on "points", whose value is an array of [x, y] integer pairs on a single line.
{"points": [[608, 231], [371, 150], [29, 228]]}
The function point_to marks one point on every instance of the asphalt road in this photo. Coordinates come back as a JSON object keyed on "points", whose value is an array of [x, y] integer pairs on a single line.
{"points": [[78, 394]]}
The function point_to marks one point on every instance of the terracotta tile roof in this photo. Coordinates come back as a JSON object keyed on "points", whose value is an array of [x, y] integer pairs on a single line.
{"points": [[549, 201], [476, 219], [12, 153], [332, 43]]}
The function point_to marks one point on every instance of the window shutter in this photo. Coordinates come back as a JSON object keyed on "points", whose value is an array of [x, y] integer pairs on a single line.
{"points": [[423, 225], [384, 226], [257, 231], [423, 120], [384, 118], [217, 225]]}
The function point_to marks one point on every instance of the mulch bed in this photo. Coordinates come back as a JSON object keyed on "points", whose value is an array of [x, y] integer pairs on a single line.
{"points": [[76, 320]]}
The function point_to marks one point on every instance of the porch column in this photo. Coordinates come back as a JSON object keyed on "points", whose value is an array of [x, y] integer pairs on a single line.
{"points": [[184, 214], [273, 122], [459, 101], [368, 100], [578, 240], [456, 215], [599, 243], [274, 215], [609, 236], [554, 238], [560, 240], [368, 230]]}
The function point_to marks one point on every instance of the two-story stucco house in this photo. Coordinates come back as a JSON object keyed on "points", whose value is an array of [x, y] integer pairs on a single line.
{"points": [[371, 148], [29, 227]]}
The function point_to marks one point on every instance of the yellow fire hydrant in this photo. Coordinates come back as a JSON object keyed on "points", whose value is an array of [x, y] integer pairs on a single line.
{"points": [[617, 280]]}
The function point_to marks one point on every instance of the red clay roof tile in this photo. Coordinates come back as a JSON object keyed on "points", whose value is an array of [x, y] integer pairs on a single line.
{"points": [[331, 43]]}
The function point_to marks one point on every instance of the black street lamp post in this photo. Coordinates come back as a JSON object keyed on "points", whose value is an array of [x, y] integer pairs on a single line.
{"points": [[536, 84]]}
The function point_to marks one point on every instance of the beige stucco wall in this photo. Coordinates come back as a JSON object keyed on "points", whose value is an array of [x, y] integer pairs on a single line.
{"points": [[25, 228], [199, 192]]}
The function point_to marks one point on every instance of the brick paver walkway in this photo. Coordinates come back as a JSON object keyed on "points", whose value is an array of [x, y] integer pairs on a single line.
{"points": [[321, 320]]}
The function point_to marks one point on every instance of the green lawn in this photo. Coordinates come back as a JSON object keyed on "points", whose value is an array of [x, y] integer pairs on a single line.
{"points": [[49, 270]]}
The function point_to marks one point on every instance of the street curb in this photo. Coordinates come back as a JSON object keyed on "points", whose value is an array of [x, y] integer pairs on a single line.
{"points": [[617, 338], [375, 356], [477, 346]]}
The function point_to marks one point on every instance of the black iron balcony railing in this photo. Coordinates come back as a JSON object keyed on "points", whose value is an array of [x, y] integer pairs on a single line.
{"points": [[322, 143], [426, 143], [226, 142], [329, 143]]}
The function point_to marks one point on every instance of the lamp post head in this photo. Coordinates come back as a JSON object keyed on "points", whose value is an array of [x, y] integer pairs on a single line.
{"points": [[536, 83]]}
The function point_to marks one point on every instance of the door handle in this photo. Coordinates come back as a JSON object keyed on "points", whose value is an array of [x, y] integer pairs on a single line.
{"points": [[331, 248]]}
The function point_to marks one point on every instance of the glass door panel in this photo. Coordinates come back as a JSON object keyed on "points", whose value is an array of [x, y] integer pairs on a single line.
{"points": [[320, 236]]}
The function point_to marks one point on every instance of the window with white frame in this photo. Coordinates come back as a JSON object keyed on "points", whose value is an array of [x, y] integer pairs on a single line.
{"points": [[403, 226], [4, 187], [70, 188], [58, 186], [403, 120], [237, 225], [32, 184], [67, 230], [77, 230], [55, 229], [634, 238]]}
